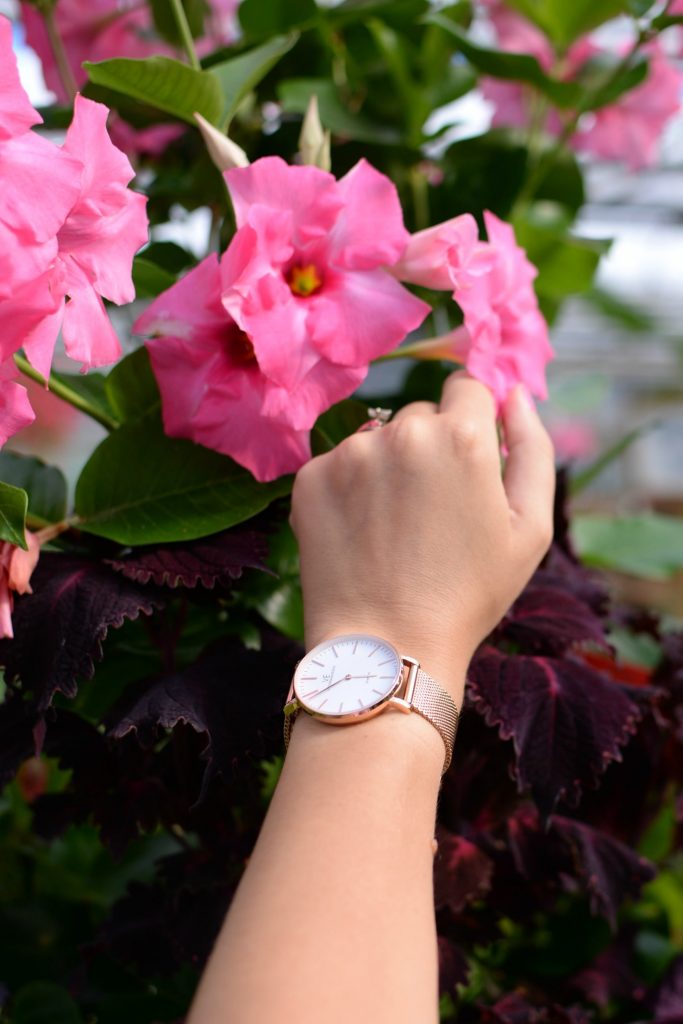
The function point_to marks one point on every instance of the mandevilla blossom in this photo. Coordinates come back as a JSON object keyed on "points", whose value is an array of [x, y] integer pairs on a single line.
{"points": [[104, 228], [628, 130], [16, 567], [250, 351], [504, 340], [508, 336]]}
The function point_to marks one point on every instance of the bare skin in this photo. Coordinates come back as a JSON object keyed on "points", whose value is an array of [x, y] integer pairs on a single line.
{"points": [[411, 534]]}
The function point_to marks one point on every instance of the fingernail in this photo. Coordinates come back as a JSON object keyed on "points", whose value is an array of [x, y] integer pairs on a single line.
{"points": [[523, 395]]}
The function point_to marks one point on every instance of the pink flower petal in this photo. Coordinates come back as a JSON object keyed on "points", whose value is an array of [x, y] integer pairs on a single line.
{"points": [[35, 204], [15, 408], [22, 563], [307, 193], [435, 257], [369, 231], [362, 315], [16, 112], [107, 225], [89, 337], [31, 319]]}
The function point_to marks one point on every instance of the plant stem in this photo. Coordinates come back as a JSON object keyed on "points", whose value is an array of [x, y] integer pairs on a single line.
{"points": [[547, 160], [66, 75], [185, 33], [63, 391]]}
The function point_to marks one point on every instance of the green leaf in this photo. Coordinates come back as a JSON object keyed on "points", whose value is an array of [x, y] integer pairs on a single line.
{"points": [[666, 21], [142, 487], [150, 279], [600, 83], [164, 83], [90, 387], [520, 67], [278, 598], [339, 422], [260, 19], [131, 387], [45, 485], [582, 480], [239, 75], [564, 21], [13, 507], [41, 1002], [648, 545], [294, 94], [566, 264]]}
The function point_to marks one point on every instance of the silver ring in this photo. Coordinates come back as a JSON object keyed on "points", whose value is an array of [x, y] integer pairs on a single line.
{"points": [[377, 418]]}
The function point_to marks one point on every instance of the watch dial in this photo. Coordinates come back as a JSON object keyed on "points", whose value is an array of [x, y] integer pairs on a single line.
{"points": [[347, 675]]}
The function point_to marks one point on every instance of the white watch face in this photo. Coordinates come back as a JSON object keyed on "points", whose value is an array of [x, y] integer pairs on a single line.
{"points": [[347, 675]]}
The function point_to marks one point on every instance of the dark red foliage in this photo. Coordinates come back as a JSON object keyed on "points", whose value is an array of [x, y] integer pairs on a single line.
{"points": [[668, 1000], [566, 721], [609, 870], [610, 976], [233, 696], [453, 967], [60, 627], [548, 619], [210, 561], [462, 872]]}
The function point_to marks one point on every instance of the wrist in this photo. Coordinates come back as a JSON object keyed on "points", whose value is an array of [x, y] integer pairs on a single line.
{"points": [[390, 744]]}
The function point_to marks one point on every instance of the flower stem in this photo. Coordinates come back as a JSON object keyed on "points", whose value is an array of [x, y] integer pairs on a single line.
{"points": [[548, 159], [185, 33], [67, 394], [66, 75]]}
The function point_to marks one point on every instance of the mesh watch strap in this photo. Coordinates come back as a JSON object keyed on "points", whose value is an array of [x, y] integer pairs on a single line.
{"points": [[430, 701]]}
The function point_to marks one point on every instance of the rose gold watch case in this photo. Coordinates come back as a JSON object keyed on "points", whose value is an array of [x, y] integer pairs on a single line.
{"points": [[294, 702]]}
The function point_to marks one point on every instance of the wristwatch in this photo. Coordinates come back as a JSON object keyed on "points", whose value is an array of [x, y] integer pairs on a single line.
{"points": [[352, 678]]}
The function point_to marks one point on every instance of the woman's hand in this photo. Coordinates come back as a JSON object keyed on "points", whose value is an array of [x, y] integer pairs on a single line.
{"points": [[411, 533]]}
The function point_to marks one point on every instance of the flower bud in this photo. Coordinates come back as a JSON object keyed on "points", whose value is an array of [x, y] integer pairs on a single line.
{"points": [[314, 141], [225, 153]]}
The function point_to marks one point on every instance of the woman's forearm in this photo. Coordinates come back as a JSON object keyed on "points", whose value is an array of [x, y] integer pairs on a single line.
{"points": [[334, 920]]}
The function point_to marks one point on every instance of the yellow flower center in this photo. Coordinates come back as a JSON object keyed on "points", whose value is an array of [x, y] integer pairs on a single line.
{"points": [[304, 280]]}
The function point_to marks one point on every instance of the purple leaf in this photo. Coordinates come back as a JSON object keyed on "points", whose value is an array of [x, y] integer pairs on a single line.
{"points": [[453, 967], [516, 1009], [231, 695], [18, 721], [60, 627], [547, 618], [462, 872], [566, 721], [212, 560], [668, 1002], [610, 975], [608, 869]]}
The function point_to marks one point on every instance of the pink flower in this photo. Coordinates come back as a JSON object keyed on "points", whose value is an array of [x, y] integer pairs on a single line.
{"points": [[250, 351], [16, 567], [94, 30], [573, 438], [307, 263], [16, 112], [630, 129], [506, 337], [438, 256], [627, 130], [94, 248], [15, 408]]}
